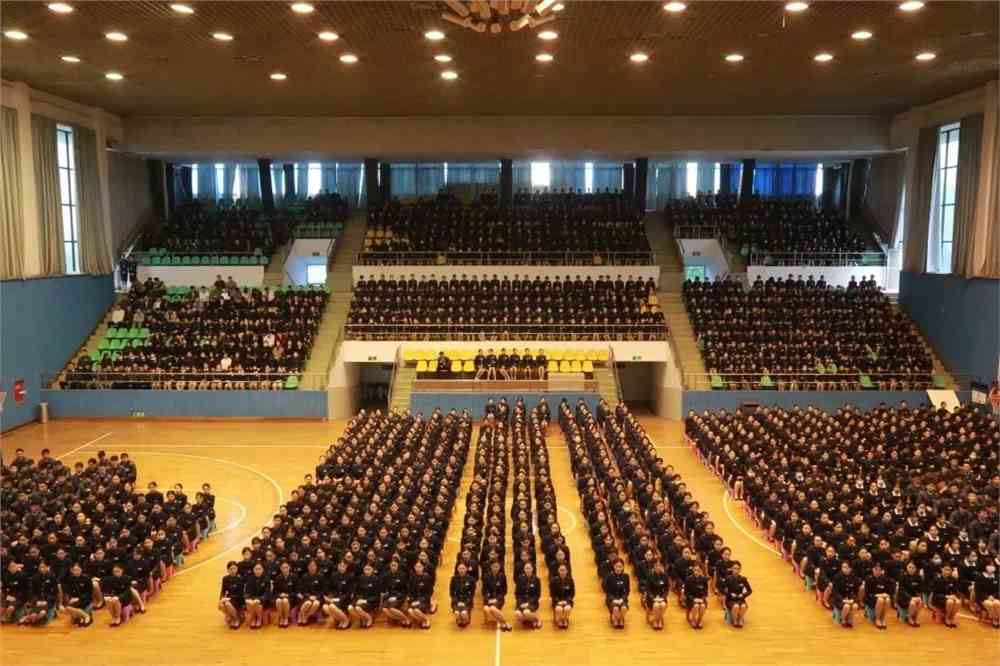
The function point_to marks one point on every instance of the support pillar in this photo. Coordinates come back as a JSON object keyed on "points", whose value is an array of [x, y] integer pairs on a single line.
{"points": [[266, 184]]}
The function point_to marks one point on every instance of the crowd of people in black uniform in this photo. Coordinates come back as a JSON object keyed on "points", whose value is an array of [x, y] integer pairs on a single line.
{"points": [[83, 538], [889, 509], [634, 502], [562, 227], [218, 337], [786, 329], [771, 230], [517, 438], [361, 537], [465, 308]]}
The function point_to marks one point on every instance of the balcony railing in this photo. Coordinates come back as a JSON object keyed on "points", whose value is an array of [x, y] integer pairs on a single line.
{"points": [[491, 331], [374, 258], [812, 380], [169, 379], [861, 259]]}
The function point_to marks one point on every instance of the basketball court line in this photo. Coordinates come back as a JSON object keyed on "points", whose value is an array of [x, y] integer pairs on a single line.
{"points": [[239, 521], [83, 446]]}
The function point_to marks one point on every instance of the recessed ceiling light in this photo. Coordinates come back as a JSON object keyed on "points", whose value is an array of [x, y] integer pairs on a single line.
{"points": [[675, 7], [116, 36], [434, 35], [638, 57], [302, 8], [558, 7], [16, 35], [61, 7], [442, 57], [113, 76], [70, 58], [544, 57], [823, 57], [797, 6], [734, 57], [449, 75], [548, 35], [911, 6], [349, 58], [329, 36], [181, 8], [279, 76], [222, 36], [861, 35], [925, 56]]}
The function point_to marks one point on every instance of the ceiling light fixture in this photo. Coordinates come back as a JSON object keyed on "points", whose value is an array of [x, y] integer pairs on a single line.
{"points": [[796, 7], [558, 7], [675, 7], [329, 36], [116, 36], [303, 8], [911, 6], [222, 36], [442, 57], [861, 35], [434, 35], [548, 35], [823, 57], [925, 56], [61, 7], [349, 58], [545, 57], [449, 75], [734, 57], [70, 58], [278, 76], [638, 57], [16, 35], [181, 8], [113, 76]]}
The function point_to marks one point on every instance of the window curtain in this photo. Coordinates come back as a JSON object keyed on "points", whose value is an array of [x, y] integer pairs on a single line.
{"points": [[607, 175], [969, 153], [95, 244], [568, 175], [206, 181], [918, 215], [252, 189], [520, 172], [302, 180], [403, 180], [430, 178], [43, 131], [11, 214], [671, 182], [350, 179], [986, 238], [782, 180], [735, 177], [934, 263], [328, 181], [228, 181], [277, 181], [706, 177]]}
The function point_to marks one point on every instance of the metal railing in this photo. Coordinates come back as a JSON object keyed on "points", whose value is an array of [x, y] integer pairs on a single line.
{"points": [[125, 379], [490, 331], [828, 381], [873, 259], [595, 258], [513, 385], [614, 373], [397, 365], [697, 231]]}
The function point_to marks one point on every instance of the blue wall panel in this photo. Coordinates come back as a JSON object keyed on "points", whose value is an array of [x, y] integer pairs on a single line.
{"points": [[474, 402], [960, 317], [42, 323], [827, 401], [184, 404]]}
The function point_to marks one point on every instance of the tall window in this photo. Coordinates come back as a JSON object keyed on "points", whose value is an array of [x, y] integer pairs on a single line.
{"points": [[220, 180], [194, 181], [237, 189], [717, 179], [819, 180], [315, 182], [67, 197], [947, 184], [691, 171], [588, 177], [541, 174]]}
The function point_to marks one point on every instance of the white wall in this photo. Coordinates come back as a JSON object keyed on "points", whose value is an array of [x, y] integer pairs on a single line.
{"points": [[838, 276], [306, 252], [704, 252], [493, 137], [365, 351], [637, 272], [197, 276]]}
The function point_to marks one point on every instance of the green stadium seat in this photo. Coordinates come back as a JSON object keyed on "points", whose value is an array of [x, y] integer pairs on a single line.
{"points": [[216, 260], [766, 382], [291, 383], [132, 333], [143, 333], [866, 383], [185, 260], [105, 343], [718, 383], [196, 260], [939, 383], [155, 261], [95, 356]]}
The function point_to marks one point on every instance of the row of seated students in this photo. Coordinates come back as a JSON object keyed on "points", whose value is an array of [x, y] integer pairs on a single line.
{"points": [[473, 308], [80, 539], [546, 229], [226, 227], [361, 537], [218, 337], [490, 365], [629, 494], [786, 328], [766, 227], [912, 491]]}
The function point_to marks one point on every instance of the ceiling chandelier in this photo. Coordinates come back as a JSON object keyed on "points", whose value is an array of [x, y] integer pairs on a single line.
{"points": [[496, 16]]}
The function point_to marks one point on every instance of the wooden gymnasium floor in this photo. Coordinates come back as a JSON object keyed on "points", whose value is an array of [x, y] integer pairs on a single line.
{"points": [[253, 465]]}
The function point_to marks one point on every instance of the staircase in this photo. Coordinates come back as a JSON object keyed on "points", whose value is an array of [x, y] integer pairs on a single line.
{"points": [[690, 360], [939, 368], [402, 386], [334, 315], [339, 277], [92, 342], [274, 272], [662, 242], [606, 386]]}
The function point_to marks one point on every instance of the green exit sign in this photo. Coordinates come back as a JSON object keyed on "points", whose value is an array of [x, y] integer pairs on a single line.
{"points": [[637, 357]]}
